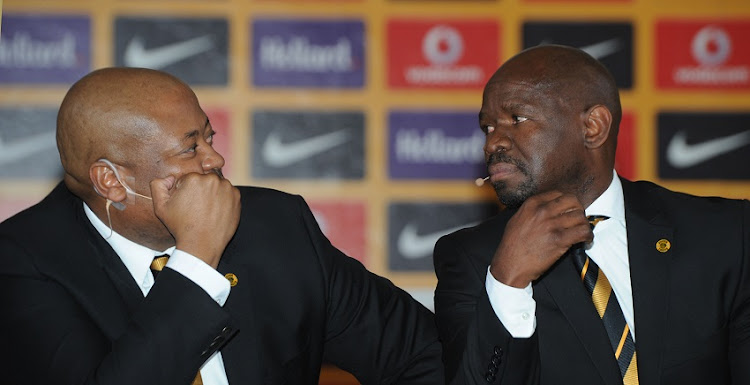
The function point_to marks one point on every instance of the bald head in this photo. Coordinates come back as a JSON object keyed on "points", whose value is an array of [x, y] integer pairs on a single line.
{"points": [[569, 75], [107, 114]]}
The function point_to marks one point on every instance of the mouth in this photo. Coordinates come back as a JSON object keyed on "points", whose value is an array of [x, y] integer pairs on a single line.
{"points": [[501, 170], [501, 167]]}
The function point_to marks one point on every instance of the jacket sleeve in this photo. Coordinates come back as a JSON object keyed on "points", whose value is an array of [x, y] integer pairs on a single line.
{"points": [[477, 349], [739, 323], [49, 337], [374, 330]]}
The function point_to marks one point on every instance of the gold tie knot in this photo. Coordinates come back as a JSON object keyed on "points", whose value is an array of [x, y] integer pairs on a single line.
{"points": [[594, 219], [159, 262]]}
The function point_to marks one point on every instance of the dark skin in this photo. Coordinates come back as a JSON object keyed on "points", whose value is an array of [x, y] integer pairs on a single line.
{"points": [[550, 139], [151, 127]]}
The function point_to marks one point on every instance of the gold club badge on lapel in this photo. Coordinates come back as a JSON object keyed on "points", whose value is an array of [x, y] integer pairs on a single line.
{"points": [[663, 245], [232, 279]]}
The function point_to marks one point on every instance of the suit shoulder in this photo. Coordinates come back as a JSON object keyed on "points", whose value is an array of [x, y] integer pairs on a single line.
{"points": [[690, 211], [689, 202], [262, 195], [45, 216], [271, 206]]}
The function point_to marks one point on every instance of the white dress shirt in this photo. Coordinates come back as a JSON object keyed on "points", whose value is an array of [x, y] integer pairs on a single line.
{"points": [[137, 259], [516, 308]]}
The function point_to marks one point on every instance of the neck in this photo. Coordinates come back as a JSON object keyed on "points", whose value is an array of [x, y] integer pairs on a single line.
{"points": [[593, 186]]}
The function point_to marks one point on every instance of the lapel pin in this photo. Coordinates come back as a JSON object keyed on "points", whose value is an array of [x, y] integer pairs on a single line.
{"points": [[231, 278], [663, 245]]}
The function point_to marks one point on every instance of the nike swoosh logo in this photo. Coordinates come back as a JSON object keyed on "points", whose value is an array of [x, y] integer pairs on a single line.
{"points": [[21, 148], [680, 154], [412, 245], [136, 55], [598, 50], [602, 49], [278, 154]]}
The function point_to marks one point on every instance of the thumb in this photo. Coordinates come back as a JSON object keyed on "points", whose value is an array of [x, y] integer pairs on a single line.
{"points": [[160, 188]]}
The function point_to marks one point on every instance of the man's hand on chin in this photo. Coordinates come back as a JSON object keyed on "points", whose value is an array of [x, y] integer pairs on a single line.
{"points": [[201, 211]]}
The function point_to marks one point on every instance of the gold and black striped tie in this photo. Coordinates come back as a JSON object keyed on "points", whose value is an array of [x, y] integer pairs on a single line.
{"points": [[156, 266], [606, 304]]}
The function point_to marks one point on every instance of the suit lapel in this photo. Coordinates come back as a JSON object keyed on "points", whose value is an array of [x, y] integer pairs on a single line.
{"points": [[91, 270], [649, 276], [115, 269], [564, 286]]}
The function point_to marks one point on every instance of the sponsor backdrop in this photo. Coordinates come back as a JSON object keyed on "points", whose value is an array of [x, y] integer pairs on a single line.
{"points": [[368, 108]]}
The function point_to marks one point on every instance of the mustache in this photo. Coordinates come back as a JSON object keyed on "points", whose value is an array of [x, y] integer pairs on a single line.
{"points": [[502, 157]]}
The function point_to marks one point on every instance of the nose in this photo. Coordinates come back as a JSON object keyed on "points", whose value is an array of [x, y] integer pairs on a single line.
{"points": [[496, 141], [211, 160]]}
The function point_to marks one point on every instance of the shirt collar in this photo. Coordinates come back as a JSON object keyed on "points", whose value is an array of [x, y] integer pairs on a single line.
{"points": [[137, 258], [611, 203]]}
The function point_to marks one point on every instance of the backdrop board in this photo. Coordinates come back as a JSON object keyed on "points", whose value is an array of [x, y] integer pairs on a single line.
{"points": [[368, 108]]}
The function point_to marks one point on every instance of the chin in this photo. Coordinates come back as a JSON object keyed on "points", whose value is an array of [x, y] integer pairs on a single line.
{"points": [[514, 198]]}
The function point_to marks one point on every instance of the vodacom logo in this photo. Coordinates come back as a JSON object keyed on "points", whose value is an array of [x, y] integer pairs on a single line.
{"points": [[711, 46], [442, 45]]}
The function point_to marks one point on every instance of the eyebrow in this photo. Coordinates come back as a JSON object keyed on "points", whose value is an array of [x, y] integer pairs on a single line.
{"points": [[194, 133]]}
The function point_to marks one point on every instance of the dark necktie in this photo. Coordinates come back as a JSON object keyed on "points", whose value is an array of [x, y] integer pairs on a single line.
{"points": [[606, 304], [156, 266]]}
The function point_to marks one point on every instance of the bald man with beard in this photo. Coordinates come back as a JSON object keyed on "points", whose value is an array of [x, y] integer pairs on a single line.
{"points": [[586, 277], [146, 266]]}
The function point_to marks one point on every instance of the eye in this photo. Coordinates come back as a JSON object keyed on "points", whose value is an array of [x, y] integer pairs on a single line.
{"points": [[488, 129], [190, 149], [519, 119], [210, 138]]}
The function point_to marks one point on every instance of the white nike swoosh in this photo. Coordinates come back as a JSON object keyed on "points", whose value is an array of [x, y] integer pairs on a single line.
{"points": [[680, 154], [18, 149], [413, 246], [602, 49], [136, 55], [598, 50], [278, 154]]}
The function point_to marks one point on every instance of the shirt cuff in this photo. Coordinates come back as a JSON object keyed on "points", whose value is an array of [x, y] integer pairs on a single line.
{"points": [[515, 307], [201, 274]]}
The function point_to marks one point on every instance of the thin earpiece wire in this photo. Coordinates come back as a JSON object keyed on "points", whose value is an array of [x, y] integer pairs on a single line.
{"points": [[117, 175], [109, 219]]}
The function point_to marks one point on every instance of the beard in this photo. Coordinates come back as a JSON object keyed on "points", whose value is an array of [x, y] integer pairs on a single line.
{"points": [[512, 198], [573, 180]]}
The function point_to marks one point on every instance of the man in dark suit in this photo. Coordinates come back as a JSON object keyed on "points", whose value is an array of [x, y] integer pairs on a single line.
{"points": [[252, 291], [652, 288]]}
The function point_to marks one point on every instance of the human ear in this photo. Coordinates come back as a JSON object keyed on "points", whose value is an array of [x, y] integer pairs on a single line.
{"points": [[598, 124], [105, 182]]}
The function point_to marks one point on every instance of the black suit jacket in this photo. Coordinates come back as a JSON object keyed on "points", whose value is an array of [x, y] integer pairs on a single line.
{"points": [[72, 313], [691, 303]]}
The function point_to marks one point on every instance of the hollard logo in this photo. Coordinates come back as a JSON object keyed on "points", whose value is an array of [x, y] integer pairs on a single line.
{"points": [[442, 45], [23, 51], [298, 54], [434, 146], [711, 46]]}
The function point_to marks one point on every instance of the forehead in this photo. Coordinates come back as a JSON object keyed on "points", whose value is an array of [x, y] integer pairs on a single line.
{"points": [[508, 92], [172, 116], [177, 112]]}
